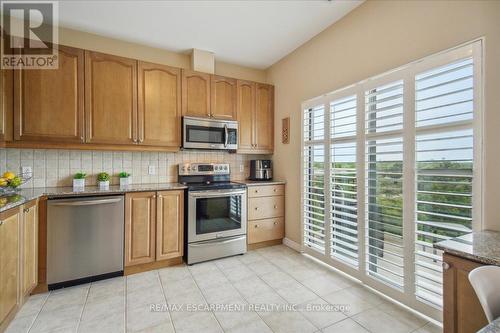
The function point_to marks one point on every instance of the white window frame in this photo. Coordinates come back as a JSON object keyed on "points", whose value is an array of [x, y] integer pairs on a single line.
{"points": [[407, 73]]}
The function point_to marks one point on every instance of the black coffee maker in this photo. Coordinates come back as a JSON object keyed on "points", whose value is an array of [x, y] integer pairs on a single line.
{"points": [[261, 170]]}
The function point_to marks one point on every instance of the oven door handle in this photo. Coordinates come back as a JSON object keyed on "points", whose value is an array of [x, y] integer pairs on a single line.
{"points": [[215, 193]]}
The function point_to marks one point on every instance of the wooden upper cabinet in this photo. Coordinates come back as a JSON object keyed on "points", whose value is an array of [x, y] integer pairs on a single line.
{"points": [[48, 104], [110, 99], [169, 225], [140, 218], [223, 98], [195, 94], [6, 103], [9, 261], [264, 117], [159, 110], [30, 247], [245, 115]]}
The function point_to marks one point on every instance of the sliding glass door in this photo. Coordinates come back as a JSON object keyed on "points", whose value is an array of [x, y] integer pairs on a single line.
{"points": [[391, 165]]}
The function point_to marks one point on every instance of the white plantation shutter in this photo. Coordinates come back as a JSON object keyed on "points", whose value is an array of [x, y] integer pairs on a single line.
{"points": [[384, 211], [444, 163], [384, 108], [343, 183], [314, 179], [445, 95], [444, 157], [392, 166]]}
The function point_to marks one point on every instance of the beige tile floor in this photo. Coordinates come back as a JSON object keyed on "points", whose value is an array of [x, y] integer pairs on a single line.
{"points": [[274, 275]]}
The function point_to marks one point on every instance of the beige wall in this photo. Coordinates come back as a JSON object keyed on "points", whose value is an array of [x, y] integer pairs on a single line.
{"points": [[376, 37], [94, 42]]}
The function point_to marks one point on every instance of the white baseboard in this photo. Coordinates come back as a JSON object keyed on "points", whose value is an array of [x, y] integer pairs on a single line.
{"points": [[291, 244]]}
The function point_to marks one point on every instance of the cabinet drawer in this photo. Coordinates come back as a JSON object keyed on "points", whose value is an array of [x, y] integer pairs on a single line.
{"points": [[266, 207], [265, 190], [266, 230]]}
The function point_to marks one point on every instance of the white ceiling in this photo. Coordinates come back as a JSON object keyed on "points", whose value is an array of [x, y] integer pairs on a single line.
{"points": [[249, 33]]}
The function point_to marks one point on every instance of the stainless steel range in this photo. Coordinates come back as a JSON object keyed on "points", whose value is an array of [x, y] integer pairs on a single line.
{"points": [[216, 220]]}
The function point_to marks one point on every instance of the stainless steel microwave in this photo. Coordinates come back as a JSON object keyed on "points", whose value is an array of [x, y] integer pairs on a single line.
{"points": [[202, 133]]}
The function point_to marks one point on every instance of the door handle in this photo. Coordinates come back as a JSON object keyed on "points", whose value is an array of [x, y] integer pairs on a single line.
{"points": [[85, 203], [226, 135]]}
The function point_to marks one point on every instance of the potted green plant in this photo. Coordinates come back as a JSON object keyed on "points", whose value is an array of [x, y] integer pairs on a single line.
{"points": [[79, 180], [124, 179], [103, 180]]}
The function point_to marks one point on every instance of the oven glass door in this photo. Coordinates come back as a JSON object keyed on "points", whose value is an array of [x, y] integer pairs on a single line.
{"points": [[215, 214]]}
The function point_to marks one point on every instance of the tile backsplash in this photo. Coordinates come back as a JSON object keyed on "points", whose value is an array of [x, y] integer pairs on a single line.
{"points": [[53, 167]]}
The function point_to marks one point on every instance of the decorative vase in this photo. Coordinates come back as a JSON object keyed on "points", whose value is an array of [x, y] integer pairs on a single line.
{"points": [[104, 185], [78, 184], [124, 182]]}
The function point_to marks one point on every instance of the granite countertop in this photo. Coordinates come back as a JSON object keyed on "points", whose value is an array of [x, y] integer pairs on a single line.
{"points": [[493, 327], [24, 195], [481, 246], [249, 182]]}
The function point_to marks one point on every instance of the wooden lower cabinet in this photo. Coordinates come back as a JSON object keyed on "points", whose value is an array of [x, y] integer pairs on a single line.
{"points": [[462, 312], [169, 225], [30, 247], [266, 211], [153, 226], [10, 222], [266, 230], [140, 220]]}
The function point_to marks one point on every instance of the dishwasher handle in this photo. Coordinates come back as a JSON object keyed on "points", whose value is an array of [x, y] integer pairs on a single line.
{"points": [[85, 202]]}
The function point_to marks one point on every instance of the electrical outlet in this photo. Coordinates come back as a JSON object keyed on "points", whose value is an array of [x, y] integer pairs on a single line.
{"points": [[26, 170], [242, 168], [151, 170]]}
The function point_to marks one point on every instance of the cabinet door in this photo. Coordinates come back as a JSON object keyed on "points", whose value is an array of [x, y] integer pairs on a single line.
{"points": [[30, 247], [245, 115], [48, 104], [9, 261], [6, 103], [223, 98], [110, 99], [159, 105], [169, 225], [264, 117], [140, 218], [462, 312], [195, 94]]}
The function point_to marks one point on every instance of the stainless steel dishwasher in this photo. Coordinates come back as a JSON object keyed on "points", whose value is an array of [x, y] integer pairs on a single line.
{"points": [[84, 239]]}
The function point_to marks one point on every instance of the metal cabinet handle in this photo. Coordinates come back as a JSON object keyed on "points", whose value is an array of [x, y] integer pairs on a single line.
{"points": [[274, 190], [1, 222], [256, 208], [275, 223], [256, 191], [26, 210], [85, 203], [256, 226], [446, 266], [275, 206]]}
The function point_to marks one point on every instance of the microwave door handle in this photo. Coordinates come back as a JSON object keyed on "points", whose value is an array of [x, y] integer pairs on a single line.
{"points": [[226, 136]]}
